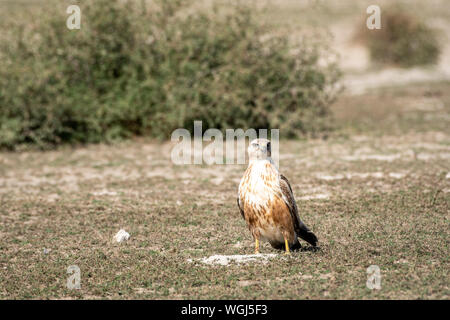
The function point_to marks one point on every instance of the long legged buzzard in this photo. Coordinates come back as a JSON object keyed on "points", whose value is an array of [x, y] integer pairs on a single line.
{"points": [[267, 203]]}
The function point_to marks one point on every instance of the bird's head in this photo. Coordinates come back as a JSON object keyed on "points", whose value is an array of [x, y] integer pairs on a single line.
{"points": [[259, 149]]}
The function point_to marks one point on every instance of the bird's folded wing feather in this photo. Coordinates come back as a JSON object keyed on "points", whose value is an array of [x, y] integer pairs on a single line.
{"points": [[300, 228], [288, 198], [240, 208]]}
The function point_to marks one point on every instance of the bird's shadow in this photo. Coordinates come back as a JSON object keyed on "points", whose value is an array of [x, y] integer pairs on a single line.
{"points": [[300, 249]]}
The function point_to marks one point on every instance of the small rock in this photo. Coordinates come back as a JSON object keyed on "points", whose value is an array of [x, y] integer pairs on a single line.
{"points": [[122, 235]]}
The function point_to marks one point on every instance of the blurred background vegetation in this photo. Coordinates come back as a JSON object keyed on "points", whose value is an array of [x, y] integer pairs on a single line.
{"points": [[404, 39], [133, 69], [145, 68]]}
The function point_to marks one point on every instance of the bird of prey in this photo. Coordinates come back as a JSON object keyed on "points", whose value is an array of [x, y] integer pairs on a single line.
{"points": [[267, 204]]}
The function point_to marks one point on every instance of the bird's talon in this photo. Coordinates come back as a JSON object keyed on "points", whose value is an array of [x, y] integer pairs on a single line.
{"points": [[256, 246], [286, 244]]}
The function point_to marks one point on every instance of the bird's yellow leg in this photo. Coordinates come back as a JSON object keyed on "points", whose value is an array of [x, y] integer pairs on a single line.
{"points": [[286, 244], [256, 245]]}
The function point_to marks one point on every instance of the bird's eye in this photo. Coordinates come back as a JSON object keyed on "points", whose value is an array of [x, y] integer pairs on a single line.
{"points": [[254, 144]]}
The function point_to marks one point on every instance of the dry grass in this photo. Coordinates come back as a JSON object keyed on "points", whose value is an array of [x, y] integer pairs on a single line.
{"points": [[378, 194]]}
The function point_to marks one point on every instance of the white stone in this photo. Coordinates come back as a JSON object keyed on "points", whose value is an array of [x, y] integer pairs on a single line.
{"points": [[226, 260], [122, 235]]}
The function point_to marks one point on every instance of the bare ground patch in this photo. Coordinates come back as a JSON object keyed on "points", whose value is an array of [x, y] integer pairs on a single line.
{"points": [[371, 199]]}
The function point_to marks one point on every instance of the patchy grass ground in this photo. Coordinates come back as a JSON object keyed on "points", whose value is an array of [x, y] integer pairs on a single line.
{"points": [[376, 192]]}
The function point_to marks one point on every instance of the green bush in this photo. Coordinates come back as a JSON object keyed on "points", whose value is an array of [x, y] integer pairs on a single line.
{"points": [[132, 70], [403, 40]]}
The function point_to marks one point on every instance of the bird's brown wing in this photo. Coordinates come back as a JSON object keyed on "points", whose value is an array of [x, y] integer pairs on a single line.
{"points": [[240, 208], [300, 228]]}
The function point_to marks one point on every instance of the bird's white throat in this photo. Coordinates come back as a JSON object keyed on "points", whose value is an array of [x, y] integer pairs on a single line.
{"points": [[261, 168]]}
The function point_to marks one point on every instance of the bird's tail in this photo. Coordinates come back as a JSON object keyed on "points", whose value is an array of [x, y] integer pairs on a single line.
{"points": [[307, 235]]}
